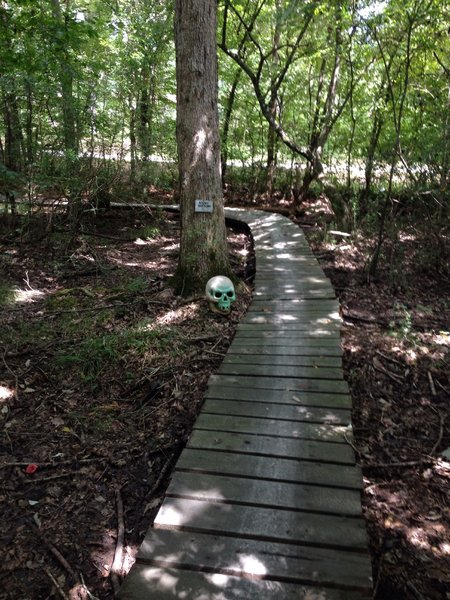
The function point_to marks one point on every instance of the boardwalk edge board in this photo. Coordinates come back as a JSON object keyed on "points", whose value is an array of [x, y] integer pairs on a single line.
{"points": [[264, 502]]}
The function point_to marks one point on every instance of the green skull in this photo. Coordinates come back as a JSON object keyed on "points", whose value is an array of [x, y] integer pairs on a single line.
{"points": [[220, 294]]}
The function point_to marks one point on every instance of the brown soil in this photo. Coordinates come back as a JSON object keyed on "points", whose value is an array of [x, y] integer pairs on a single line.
{"points": [[396, 342], [102, 375]]}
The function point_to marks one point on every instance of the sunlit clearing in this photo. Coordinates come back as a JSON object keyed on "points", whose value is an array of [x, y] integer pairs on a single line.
{"points": [[179, 315], [419, 538], [251, 564], [164, 579], [210, 493], [218, 579], [27, 295], [5, 393], [169, 516], [445, 548], [442, 338]]}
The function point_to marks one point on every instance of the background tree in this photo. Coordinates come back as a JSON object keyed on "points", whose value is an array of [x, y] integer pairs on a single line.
{"points": [[203, 249]]}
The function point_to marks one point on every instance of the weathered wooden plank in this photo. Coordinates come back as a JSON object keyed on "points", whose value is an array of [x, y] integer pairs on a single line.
{"points": [[295, 340], [263, 456], [281, 383], [289, 270], [300, 284], [261, 523], [281, 371], [265, 493], [248, 394], [285, 359], [318, 323], [293, 429], [165, 583], [253, 558], [287, 330], [264, 291], [293, 412], [313, 306], [294, 346]]}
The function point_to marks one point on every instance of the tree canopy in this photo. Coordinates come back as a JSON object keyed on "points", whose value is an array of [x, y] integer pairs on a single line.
{"points": [[358, 89]]}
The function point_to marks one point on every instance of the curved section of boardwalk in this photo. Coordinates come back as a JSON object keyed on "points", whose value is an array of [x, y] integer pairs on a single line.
{"points": [[265, 501]]}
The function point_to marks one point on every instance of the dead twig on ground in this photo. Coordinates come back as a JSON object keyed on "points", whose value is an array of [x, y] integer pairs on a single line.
{"points": [[51, 477], [52, 464], [443, 388], [441, 432], [161, 476], [85, 589], [59, 589], [380, 369], [351, 444], [59, 557], [116, 569], [389, 358], [432, 387]]}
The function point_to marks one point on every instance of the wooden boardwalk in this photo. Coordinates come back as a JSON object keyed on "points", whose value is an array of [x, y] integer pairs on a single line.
{"points": [[265, 500]]}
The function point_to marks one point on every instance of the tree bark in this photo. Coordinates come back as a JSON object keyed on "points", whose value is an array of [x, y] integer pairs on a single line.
{"points": [[203, 248]]}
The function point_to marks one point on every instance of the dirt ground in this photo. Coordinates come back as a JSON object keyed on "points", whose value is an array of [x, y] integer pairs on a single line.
{"points": [[102, 372]]}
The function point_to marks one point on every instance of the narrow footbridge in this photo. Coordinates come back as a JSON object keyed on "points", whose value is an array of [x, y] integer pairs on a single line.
{"points": [[264, 502]]}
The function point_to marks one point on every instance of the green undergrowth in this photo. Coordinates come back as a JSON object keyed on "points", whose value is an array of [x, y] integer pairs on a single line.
{"points": [[90, 357]]}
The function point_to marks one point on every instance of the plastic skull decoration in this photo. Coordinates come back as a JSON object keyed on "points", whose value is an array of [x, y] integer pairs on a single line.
{"points": [[220, 294]]}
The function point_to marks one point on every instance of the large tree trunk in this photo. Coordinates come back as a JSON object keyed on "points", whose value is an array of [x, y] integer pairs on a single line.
{"points": [[203, 250]]}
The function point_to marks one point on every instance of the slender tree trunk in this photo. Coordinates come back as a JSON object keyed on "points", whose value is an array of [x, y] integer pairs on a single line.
{"points": [[132, 141], [13, 133], [66, 85], [227, 121], [203, 248], [273, 106], [29, 124], [377, 125], [398, 118]]}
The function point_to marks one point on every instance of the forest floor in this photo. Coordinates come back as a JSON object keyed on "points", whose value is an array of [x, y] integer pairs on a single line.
{"points": [[103, 371]]}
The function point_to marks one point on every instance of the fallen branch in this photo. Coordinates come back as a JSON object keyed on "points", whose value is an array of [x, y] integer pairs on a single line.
{"points": [[350, 443], [59, 589], [52, 464], [443, 388], [59, 557], [116, 569], [381, 369], [441, 433], [161, 476], [51, 477], [432, 387], [389, 358]]}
